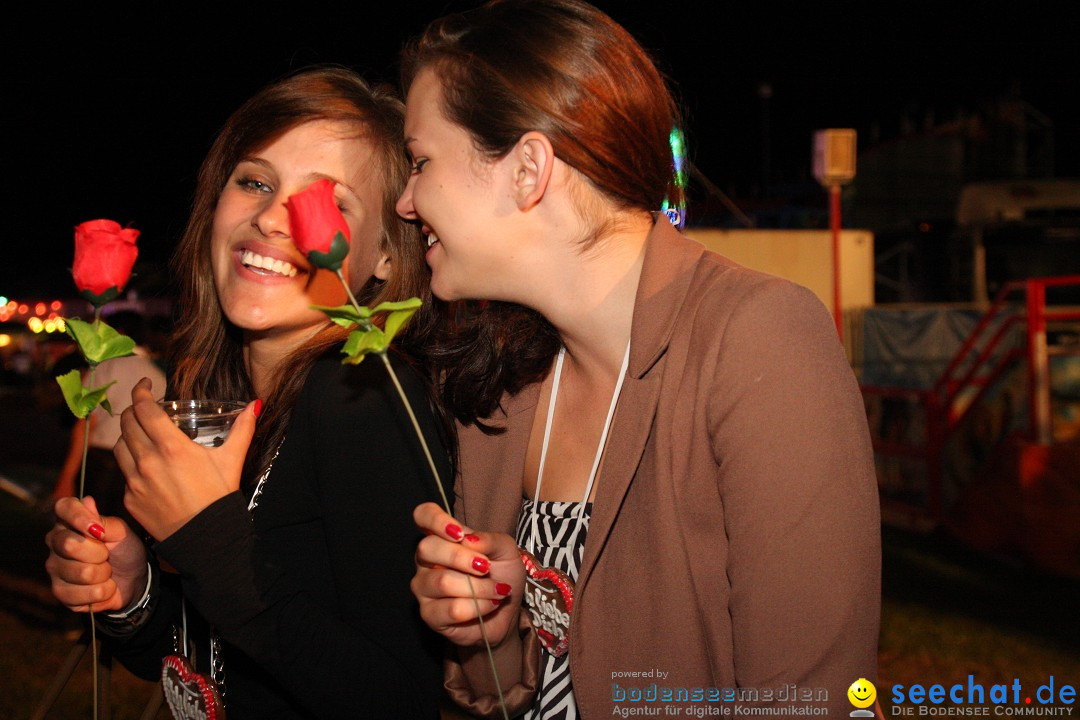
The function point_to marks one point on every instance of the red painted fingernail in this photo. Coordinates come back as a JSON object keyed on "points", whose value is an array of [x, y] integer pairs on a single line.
{"points": [[454, 531], [96, 531], [258, 407], [496, 603], [502, 588], [472, 538], [481, 565]]}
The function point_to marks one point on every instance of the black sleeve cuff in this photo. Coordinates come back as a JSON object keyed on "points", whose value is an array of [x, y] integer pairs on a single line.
{"points": [[213, 553]]}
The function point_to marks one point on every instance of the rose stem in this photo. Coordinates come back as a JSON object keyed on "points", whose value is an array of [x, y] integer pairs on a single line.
{"points": [[82, 491], [352, 298], [446, 504], [442, 494]]}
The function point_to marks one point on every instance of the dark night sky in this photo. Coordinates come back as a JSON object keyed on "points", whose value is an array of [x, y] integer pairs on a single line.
{"points": [[108, 114]]}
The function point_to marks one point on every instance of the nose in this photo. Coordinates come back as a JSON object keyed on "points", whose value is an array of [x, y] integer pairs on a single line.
{"points": [[272, 218], [404, 205]]}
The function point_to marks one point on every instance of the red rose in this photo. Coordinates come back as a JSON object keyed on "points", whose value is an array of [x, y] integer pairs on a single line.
{"points": [[104, 256], [317, 227]]}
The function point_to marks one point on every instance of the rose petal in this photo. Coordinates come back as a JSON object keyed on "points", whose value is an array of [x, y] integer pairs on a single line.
{"points": [[314, 217], [104, 255]]}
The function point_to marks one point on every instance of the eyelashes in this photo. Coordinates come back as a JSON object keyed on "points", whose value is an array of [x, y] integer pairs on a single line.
{"points": [[250, 183], [253, 184], [418, 166]]}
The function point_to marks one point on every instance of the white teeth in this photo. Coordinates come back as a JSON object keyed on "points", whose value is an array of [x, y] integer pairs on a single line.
{"points": [[278, 267], [432, 238]]}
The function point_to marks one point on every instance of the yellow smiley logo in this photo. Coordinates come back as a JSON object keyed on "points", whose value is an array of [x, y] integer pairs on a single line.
{"points": [[862, 693]]}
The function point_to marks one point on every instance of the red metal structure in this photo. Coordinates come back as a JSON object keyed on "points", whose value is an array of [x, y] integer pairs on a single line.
{"points": [[990, 352]]}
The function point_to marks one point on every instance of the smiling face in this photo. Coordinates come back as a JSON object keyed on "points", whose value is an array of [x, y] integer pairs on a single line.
{"points": [[460, 198], [265, 286], [862, 693]]}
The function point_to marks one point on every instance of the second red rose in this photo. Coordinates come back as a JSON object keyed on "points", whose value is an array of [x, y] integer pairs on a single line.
{"points": [[104, 256]]}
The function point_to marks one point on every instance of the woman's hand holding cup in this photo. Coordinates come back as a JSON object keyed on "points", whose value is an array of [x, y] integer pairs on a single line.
{"points": [[170, 479]]}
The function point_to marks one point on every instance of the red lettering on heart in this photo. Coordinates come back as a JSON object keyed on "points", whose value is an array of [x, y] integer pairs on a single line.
{"points": [[189, 695], [549, 596]]}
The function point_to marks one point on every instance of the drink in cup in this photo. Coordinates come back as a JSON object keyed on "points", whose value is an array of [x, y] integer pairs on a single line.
{"points": [[207, 422]]}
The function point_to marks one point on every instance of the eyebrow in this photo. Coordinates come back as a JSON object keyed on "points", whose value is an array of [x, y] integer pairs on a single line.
{"points": [[323, 176]]}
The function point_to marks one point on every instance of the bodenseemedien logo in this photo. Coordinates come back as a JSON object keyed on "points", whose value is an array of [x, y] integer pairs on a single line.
{"points": [[668, 698], [862, 695]]}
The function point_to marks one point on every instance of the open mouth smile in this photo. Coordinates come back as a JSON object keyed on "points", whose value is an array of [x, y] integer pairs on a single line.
{"points": [[430, 235], [267, 265]]}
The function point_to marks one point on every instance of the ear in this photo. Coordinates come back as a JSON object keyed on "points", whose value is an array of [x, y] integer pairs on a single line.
{"points": [[382, 268], [533, 158]]}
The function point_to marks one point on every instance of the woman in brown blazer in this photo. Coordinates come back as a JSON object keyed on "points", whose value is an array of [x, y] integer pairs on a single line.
{"points": [[666, 501]]}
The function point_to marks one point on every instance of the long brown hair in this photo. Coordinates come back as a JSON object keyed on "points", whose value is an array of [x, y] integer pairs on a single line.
{"points": [[207, 350], [563, 68]]}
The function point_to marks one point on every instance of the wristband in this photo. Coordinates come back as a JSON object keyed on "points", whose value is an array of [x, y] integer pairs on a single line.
{"points": [[126, 622]]}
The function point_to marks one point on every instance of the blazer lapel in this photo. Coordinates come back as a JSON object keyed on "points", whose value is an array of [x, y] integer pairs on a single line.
{"points": [[629, 436], [669, 260]]}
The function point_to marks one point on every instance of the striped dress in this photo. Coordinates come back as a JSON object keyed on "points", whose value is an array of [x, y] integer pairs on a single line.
{"points": [[556, 537]]}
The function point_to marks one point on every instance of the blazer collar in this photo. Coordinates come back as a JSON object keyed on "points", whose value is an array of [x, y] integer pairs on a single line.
{"points": [[666, 273], [670, 258]]}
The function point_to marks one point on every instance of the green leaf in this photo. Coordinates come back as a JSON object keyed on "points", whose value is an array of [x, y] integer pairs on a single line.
{"points": [[410, 304], [369, 337], [361, 342], [80, 400], [98, 342], [395, 321], [346, 315], [398, 314], [332, 258]]}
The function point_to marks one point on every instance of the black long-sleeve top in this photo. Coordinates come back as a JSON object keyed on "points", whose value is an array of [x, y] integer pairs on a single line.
{"points": [[310, 592]]}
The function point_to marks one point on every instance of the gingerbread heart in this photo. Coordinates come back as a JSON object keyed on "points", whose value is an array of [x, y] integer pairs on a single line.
{"points": [[549, 596], [190, 695]]}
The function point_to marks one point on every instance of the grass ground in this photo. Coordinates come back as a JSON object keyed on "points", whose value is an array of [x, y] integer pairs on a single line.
{"points": [[30, 663], [948, 613], [925, 646]]}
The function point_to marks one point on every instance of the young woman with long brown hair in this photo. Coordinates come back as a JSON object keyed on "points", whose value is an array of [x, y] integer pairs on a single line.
{"points": [[680, 437], [307, 606]]}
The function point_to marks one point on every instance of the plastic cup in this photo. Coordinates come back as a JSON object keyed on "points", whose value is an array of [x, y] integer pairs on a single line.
{"points": [[207, 422]]}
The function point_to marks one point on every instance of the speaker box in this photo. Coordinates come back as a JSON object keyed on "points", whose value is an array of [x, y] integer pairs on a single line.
{"points": [[834, 156]]}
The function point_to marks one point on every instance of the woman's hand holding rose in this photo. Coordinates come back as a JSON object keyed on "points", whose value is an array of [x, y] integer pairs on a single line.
{"points": [[93, 559], [447, 559]]}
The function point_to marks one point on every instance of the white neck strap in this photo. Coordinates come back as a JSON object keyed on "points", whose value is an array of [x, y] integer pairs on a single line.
{"points": [[599, 448]]}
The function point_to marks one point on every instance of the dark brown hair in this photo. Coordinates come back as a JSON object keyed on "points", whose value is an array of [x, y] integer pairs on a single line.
{"points": [[207, 350], [565, 69]]}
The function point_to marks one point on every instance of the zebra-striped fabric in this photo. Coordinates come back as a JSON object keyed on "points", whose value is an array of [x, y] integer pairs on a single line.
{"points": [[553, 534]]}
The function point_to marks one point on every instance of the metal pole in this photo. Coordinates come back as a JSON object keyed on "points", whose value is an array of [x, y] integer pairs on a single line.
{"points": [[834, 221], [1038, 363]]}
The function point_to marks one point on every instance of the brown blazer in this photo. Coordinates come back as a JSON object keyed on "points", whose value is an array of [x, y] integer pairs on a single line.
{"points": [[734, 540]]}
